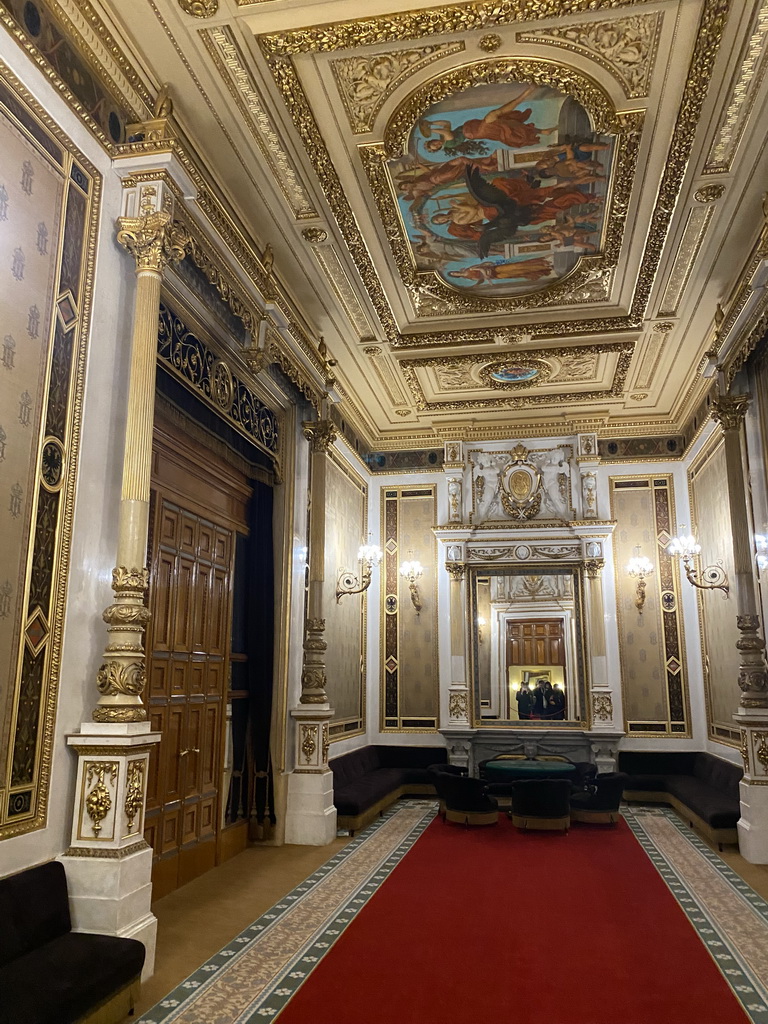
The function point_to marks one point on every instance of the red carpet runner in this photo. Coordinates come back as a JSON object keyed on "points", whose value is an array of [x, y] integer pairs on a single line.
{"points": [[490, 925]]}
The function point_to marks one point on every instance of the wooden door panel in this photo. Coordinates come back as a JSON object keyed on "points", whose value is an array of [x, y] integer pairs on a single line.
{"points": [[182, 612], [198, 670], [178, 673], [214, 683], [193, 743], [190, 831], [201, 612], [222, 553], [209, 749], [173, 768], [159, 673], [188, 534], [207, 817], [169, 835], [206, 539], [168, 530], [218, 627], [162, 600], [156, 717]]}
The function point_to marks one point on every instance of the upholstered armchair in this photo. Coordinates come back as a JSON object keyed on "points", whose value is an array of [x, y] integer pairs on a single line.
{"points": [[437, 773], [599, 803], [541, 804], [467, 801]]}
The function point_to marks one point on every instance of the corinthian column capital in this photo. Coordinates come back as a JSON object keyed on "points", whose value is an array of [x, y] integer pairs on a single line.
{"points": [[153, 239], [320, 433], [730, 410]]}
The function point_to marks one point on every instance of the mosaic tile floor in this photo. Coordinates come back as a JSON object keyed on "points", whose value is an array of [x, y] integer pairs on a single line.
{"points": [[253, 976]]}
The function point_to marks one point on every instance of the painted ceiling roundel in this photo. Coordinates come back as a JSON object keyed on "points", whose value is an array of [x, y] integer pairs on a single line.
{"points": [[503, 187]]}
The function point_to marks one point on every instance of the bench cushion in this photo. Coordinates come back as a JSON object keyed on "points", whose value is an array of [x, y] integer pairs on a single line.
{"points": [[34, 909], [718, 809], [63, 979]]}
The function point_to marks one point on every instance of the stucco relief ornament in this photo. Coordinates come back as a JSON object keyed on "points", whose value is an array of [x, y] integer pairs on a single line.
{"points": [[454, 500], [308, 742], [98, 802], [520, 486], [320, 433], [602, 707], [199, 8], [457, 705]]}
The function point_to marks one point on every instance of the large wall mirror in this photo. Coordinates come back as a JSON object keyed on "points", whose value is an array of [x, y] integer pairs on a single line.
{"points": [[528, 646]]}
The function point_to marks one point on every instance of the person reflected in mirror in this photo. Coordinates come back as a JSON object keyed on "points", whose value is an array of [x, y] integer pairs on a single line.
{"points": [[541, 708], [524, 699], [557, 702]]}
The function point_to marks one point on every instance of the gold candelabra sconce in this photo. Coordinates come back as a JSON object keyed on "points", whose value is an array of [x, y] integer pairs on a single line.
{"points": [[639, 568], [761, 552], [412, 571], [711, 577], [369, 555]]}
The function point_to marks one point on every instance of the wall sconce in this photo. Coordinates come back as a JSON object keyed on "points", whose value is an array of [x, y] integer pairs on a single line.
{"points": [[711, 577], [413, 571], [368, 555], [480, 624], [639, 568], [761, 552]]}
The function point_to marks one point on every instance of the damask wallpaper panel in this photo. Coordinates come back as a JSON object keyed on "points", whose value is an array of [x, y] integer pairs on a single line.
{"points": [[410, 679], [719, 633], [48, 207], [651, 642], [345, 529]]}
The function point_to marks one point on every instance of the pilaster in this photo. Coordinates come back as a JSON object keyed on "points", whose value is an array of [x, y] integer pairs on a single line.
{"points": [[311, 815]]}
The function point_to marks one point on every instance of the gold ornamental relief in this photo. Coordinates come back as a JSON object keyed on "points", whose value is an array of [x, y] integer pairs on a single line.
{"points": [[98, 803], [625, 47], [134, 794], [364, 82]]}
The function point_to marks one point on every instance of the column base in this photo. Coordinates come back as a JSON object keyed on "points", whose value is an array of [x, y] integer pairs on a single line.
{"points": [[112, 896], [310, 818], [753, 824]]}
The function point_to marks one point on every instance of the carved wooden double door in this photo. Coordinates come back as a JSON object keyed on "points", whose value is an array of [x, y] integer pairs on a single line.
{"points": [[188, 644]]}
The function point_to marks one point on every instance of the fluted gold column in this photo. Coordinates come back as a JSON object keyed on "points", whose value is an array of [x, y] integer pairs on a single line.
{"points": [[153, 240], [729, 411]]}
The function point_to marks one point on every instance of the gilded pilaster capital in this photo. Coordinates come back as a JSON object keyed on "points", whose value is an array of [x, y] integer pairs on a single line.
{"points": [[593, 567], [455, 571], [320, 433], [154, 240], [730, 410]]}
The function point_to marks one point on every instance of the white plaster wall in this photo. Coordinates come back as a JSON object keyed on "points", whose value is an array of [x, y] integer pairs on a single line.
{"points": [[94, 538]]}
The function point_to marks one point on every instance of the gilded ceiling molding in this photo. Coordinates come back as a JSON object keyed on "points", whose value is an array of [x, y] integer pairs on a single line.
{"points": [[746, 87], [365, 81], [625, 47], [690, 244], [278, 49], [454, 19], [708, 193], [228, 60], [653, 349], [624, 351], [330, 263], [386, 375], [199, 8]]}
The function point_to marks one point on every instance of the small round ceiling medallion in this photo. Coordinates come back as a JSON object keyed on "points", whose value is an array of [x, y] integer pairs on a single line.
{"points": [[515, 373]]}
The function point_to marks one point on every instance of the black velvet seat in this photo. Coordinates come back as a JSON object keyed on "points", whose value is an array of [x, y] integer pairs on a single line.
{"points": [[50, 974], [438, 771], [599, 803], [541, 804], [467, 801]]}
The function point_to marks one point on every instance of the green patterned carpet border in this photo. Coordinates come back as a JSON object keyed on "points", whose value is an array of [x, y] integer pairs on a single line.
{"points": [[252, 978]]}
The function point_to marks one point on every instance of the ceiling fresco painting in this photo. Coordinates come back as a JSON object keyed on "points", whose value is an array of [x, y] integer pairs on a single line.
{"points": [[502, 188]]}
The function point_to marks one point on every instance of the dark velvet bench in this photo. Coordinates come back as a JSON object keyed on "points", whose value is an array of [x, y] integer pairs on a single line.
{"points": [[369, 779], [50, 974], [703, 788]]}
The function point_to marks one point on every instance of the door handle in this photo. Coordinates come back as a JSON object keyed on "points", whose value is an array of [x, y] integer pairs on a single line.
{"points": [[191, 750]]}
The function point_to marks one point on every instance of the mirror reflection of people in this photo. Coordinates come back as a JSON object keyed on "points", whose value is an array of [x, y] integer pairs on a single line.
{"points": [[541, 708], [557, 702], [524, 699]]}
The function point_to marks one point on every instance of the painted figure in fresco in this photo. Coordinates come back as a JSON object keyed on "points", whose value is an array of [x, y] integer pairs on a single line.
{"points": [[505, 124], [571, 162], [569, 232], [421, 179], [512, 203], [524, 270]]}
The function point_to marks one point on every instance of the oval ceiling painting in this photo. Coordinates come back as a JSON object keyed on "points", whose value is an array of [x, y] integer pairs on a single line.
{"points": [[503, 187]]}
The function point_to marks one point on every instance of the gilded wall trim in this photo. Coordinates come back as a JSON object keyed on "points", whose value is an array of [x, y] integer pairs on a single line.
{"points": [[660, 625], [690, 244], [38, 526], [330, 263], [409, 640]]}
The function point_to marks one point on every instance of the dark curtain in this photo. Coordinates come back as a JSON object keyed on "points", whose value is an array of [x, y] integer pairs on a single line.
{"points": [[260, 650]]}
